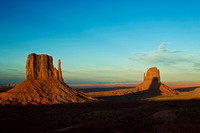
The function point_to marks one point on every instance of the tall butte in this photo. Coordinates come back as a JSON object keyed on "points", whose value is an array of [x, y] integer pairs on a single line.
{"points": [[153, 85], [43, 85]]}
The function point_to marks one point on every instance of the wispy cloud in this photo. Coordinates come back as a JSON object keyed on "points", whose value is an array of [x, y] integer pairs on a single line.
{"points": [[177, 65], [102, 75], [196, 65], [140, 53], [165, 56], [11, 69], [163, 48], [11, 73], [98, 70]]}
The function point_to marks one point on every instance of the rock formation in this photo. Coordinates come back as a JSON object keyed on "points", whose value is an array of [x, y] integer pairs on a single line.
{"points": [[153, 85], [40, 67], [43, 85]]}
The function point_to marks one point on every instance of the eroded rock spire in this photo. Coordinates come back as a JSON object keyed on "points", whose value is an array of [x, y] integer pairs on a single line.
{"points": [[60, 71]]}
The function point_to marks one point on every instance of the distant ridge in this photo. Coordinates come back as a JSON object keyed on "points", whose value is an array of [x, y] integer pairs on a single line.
{"points": [[130, 84]]}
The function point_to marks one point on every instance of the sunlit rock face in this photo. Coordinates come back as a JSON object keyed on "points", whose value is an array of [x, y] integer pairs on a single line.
{"points": [[43, 85], [152, 73], [40, 67], [153, 85]]}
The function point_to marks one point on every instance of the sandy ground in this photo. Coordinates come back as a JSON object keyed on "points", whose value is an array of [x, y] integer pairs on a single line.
{"points": [[169, 114], [134, 84], [193, 94], [187, 89]]}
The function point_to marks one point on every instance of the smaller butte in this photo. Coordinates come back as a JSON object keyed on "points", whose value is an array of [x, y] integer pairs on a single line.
{"points": [[153, 85]]}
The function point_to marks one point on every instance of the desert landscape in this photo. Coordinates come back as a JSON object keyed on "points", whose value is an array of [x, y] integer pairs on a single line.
{"points": [[44, 103], [99, 66], [120, 110]]}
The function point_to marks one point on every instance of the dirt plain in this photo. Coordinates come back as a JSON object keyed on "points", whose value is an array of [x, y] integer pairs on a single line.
{"points": [[120, 111]]}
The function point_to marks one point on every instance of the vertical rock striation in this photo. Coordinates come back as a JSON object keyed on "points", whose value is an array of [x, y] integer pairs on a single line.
{"points": [[43, 85], [59, 71], [40, 67], [153, 85], [151, 74]]}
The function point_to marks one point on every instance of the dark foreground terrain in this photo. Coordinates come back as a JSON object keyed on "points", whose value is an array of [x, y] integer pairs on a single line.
{"points": [[133, 116], [127, 113]]}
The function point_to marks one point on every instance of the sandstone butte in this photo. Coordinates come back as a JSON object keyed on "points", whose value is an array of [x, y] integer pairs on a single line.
{"points": [[43, 85], [153, 85]]}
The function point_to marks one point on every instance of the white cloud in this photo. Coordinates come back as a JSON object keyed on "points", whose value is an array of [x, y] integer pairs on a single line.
{"points": [[177, 65], [163, 48], [165, 56]]}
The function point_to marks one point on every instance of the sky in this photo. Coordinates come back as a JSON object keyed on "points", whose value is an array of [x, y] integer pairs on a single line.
{"points": [[102, 41]]}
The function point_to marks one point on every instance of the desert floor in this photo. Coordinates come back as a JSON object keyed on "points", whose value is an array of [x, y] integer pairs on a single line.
{"points": [[127, 91], [121, 110]]}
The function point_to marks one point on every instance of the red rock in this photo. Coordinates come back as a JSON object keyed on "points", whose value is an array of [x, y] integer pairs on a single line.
{"points": [[153, 85], [40, 67], [43, 85], [151, 74], [59, 71]]}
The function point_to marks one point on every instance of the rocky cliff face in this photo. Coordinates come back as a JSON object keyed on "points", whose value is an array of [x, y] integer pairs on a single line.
{"points": [[40, 67], [43, 85], [152, 73], [153, 85]]}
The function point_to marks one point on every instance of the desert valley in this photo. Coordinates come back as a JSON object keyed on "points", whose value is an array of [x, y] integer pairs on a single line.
{"points": [[99, 66], [44, 103]]}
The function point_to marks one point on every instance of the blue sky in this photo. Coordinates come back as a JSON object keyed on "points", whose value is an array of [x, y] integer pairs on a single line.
{"points": [[102, 41]]}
